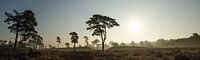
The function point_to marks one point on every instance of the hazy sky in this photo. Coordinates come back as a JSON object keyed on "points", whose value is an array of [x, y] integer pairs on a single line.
{"points": [[139, 19]]}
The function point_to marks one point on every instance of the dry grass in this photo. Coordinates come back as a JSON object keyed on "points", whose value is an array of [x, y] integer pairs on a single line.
{"points": [[111, 54]]}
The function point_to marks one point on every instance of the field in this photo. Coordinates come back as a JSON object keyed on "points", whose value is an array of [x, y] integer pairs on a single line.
{"points": [[116, 53]]}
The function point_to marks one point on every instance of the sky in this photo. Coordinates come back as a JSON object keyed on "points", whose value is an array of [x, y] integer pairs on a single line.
{"points": [[139, 19]]}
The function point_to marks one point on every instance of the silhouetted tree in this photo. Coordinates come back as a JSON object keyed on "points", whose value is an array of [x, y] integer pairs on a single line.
{"points": [[99, 25], [106, 45], [23, 44], [80, 45], [3, 42], [67, 44], [195, 36], [74, 38], [86, 40], [122, 44], [114, 44], [51, 46], [95, 42], [58, 40], [21, 23], [161, 43], [31, 39], [10, 43], [36, 41], [133, 43], [146, 43]]}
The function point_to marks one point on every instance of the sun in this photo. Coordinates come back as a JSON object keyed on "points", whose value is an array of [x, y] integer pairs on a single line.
{"points": [[135, 26]]}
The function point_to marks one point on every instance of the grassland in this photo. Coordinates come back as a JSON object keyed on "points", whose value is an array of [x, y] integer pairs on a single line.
{"points": [[115, 53]]}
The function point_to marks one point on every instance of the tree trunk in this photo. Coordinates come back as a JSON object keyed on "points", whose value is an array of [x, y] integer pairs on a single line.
{"points": [[34, 46], [74, 46], [58, 45], [104, 36], [102, 42], [16, 37], [102, 45], [87, 44]]}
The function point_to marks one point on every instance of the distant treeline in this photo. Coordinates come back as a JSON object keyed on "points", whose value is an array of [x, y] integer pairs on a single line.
{"points": [[192, 41]]}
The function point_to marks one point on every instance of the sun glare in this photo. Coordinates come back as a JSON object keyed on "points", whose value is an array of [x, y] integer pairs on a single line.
{"points": [[135, 26]]}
